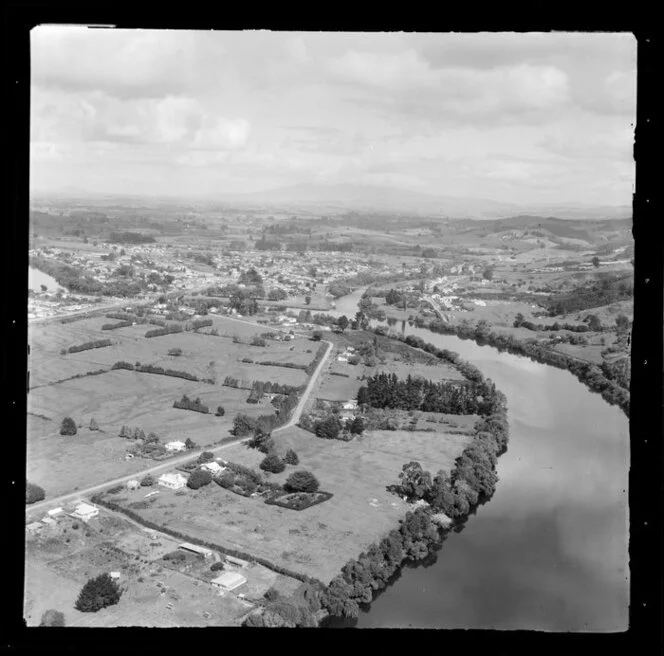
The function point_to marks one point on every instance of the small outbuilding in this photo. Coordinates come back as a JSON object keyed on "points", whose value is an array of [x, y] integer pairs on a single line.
{"points": [[33, 526], [194, 548], [133, 485], [213, 467], [172, 480], [176, 445]]}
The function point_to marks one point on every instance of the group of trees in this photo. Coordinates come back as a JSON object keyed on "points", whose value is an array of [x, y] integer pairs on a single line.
{"points": [[98, 343], [593, 325], [137, 433], [166, 330], [589, 374], [152, 369], [198, 478], [415, 393], [127, 237], [34, 493], [185, 403], [117, 324], [332, 428], [98, 593], [608, 289]]}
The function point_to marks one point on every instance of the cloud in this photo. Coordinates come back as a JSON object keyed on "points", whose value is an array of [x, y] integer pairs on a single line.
{"points": [[401, 70], [124, 63]]}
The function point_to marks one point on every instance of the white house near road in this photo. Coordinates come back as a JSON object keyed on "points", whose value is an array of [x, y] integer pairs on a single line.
{"points": [[133, 485], [85, 512], [55, 512], [213, 467], [172, 480], [176, 445]]}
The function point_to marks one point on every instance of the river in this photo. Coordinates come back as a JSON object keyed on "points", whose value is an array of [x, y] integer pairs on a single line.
{"points": [[549, 551], [37, 278]]}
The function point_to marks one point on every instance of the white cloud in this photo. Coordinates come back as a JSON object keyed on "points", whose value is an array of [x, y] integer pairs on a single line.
{"points": [[224, 134]]}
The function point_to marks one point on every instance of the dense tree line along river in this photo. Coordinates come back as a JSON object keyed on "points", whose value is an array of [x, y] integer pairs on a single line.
{"points": [[549, 551]]}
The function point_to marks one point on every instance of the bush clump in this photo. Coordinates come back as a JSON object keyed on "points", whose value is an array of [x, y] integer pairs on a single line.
{"points": [[302, 481], [68, 427], [147, 481], [98, 593], [216, 567], [34, 493], [291, 457], [272, 463], [199, 478], [52, 618]]}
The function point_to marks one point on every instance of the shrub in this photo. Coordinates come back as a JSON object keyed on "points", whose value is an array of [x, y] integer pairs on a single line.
{"points": [[225, 479], [199, 478], [34, 493], [271, 594], [272, 463], [220, 411], [206, 456], [147, 481], [94, 426], [98, 593], [302, 481], [291, 457], [328, 428], [217, 566], [175, 351], [68, 426], [52, 618]]}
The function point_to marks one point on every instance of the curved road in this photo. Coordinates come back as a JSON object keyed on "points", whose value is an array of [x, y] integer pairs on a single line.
{"points": [[295, 417]]}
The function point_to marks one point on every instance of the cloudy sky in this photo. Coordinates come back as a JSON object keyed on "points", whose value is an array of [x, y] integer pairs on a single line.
{"points": [[509, 117]]}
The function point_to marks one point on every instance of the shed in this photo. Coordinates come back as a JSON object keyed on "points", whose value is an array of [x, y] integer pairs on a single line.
{"points": [[194, 548], [55, 512], [237, 561], [229, 581], [33, 526]]}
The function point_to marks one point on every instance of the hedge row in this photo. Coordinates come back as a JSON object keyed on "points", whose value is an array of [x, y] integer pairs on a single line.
{"points": [[119, 324], [96, 372], [311, 367], [122, 316], [185, 403], [200, 323], [152, 369], [279, 500], [286, 365], [111, 505], [166, 330], [98, 343]]}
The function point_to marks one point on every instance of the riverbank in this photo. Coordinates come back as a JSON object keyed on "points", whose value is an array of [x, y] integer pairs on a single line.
{"points": [[588, 374]]}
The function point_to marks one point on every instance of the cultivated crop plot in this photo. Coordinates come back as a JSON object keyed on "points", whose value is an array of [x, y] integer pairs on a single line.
{"points": [[337, 334]]}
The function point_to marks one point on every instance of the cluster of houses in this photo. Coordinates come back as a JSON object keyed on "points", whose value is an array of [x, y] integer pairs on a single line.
{"points": [[80, 510], [349, 352]]}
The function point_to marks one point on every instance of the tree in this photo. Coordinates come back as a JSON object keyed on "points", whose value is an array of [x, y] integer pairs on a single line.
{"points": [[291, 457], [317, 335], [199, 478], [93, 425], [328, 428], [152, 438], [68, 426], [622, 323], [356, 426], [415, 482], [519, 319], [98, 593], [147, 480], [488, 273], [206, 456], [342, 322], [272, 463], [43, 288], [595, 261], [220, 411], [34, 493], [307, 299], [52, 618], [302, 481], [189, 443], [594, 323]]}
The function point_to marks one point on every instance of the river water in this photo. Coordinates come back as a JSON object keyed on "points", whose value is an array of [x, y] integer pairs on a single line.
{"points": [[37, 278], [549, 551]]}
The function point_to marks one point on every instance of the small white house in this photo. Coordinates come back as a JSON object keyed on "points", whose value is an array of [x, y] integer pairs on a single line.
{"points": [[213, 467], [176, 445], [115, 575], [133, 485], [172, 480], [56, 512], [33, 526], [85, 512], [350, 405]]}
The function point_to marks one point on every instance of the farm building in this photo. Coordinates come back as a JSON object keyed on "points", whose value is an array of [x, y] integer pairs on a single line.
{"points": [[236, 561], [194, 548], [33, 526], [176, 445], [172, 480], [115, 575], [55, 512], [133, 485], [85, 512], [229, 581]]}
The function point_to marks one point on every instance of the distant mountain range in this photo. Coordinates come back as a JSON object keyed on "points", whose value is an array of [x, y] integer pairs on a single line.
{"points": [[368, 197]]}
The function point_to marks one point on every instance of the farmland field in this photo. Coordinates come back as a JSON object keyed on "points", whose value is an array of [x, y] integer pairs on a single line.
{"points": [[320, 539], [62, 463]]}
